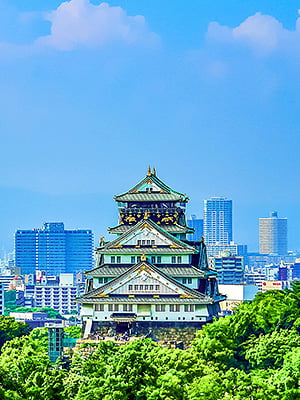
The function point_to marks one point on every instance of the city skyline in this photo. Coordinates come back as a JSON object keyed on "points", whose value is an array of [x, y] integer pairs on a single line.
{"points": [[189, 218], [86, 109]]}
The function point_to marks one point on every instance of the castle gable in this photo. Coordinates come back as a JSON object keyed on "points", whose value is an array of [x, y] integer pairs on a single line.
{"points": [[144, 279]]}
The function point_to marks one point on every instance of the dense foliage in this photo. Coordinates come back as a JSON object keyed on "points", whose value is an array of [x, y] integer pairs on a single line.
{"points": [[251, 355]]}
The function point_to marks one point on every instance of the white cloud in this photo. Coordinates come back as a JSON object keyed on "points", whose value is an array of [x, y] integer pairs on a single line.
{"points": [[263, 33], [79, 23]]}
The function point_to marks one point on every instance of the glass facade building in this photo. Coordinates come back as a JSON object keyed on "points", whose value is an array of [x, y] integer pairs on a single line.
{"points": [[53, 249], [197, 225], [217, 221]]}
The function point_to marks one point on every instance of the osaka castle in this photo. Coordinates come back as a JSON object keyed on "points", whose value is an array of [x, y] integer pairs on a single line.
{"points": [[150, 275]]}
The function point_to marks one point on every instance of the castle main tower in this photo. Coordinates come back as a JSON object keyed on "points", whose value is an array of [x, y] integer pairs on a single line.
{"points": [[150, 276]]}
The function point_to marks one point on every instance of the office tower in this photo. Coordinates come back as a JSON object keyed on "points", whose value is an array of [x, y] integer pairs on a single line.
{"points": [[273, 235], [217, 221], [53, 249], [230, 269], [1, 299], [197, 225]]}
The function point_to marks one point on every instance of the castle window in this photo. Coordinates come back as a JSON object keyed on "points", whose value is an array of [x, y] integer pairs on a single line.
{"points": [[118, 259], [151, 287], [158, 259], [160, 307], [138, 259], [173, 260], [189, 280], [152, 242], [143, 242], [112, 259], [99, 307], [100, 280], [174, 308], [189, 308], [132, 260], [179, 259], [184, 280], [153, 259], [129, 287], [139, 242], [113, 307], [156, 287], [127, 307]]}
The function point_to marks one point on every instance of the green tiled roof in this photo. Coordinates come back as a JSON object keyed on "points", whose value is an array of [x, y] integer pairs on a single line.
{"points": [[174, 228], [147, 250], [146, 300], [132, 270], [111, 246], [175, 272], [167, 195], [145, 197]]}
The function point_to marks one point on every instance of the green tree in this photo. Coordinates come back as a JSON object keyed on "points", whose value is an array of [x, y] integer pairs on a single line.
{"points": [[9, 329], [73, 331]]}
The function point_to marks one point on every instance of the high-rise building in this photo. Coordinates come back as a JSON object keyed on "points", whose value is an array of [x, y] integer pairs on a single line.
{"points": [[197, 225], [150, 275], [230, 268], [1, 299], [217, 221], [53, 249], [273, 235]]}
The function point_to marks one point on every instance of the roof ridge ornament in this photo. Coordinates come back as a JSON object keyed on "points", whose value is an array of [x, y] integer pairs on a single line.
{"points": [[147, 214], [101, 243], [149, 173], [154, 171]]}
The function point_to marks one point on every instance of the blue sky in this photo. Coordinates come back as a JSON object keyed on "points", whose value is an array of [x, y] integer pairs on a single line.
{"points": [[92, 93]]}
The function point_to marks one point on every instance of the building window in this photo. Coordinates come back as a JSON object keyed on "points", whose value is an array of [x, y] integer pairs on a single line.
{"points": [[189, 280], [127, 307], [174, 308], [160, 307], [99, 307], [156, 287], [118, 259], [152, 242], [158, 259], [153, 259], [184, 281], [112, 259], [138, 258], [138, 242], [189, 308], [179, 259], [100, 280], [173, 260], [132, 260], [129, 287], [105, 280]]}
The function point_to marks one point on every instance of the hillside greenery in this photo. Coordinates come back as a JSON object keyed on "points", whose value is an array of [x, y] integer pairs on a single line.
{"points": [[251, 355]]}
